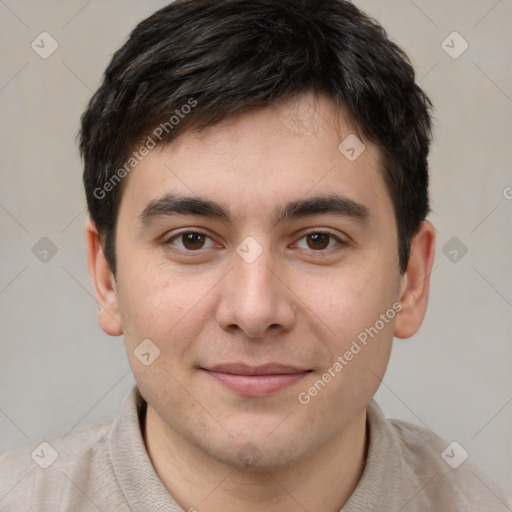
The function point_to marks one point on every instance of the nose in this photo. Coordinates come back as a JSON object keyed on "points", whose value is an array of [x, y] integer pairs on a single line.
{"points": [[255, 298]]}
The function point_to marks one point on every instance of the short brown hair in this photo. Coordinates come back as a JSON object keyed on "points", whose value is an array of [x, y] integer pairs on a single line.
{"points": [[196, 62]]}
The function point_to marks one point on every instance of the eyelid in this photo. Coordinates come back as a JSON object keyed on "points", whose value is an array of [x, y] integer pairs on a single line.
{"points": [[184, 231], [168, 239], [325, 231], [341, 242]]}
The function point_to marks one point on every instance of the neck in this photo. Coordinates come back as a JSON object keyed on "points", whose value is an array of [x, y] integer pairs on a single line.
{"points": [[322, 481]]}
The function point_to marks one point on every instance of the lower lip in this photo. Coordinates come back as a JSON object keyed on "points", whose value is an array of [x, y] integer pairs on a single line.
{"points": [[257, 385]]}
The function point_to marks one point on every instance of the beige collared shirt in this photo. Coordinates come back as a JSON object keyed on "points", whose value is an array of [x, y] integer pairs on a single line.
{"points": [[105, 467]]}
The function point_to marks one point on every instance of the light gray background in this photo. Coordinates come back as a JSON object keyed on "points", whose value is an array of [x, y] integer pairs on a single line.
{"points": [[59, 370]]}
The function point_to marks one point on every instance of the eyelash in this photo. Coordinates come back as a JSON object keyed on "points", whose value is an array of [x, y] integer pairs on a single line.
{"points": [[340, 243]]}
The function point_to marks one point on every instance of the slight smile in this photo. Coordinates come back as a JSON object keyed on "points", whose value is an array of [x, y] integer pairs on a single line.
{"points": [[256, 381]]}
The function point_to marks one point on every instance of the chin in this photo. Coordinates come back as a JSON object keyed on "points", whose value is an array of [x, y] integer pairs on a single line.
{"points": [[259, 447], [257, 458]]}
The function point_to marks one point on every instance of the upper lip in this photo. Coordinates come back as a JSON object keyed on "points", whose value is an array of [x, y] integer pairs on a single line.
{"points": [[265, 369]]}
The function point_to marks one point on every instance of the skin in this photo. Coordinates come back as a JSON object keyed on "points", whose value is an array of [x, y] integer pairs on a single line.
{"points": [[298, 303]]}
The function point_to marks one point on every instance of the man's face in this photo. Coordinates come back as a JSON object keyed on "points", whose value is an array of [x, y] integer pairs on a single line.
{"points": [[258, 287]]}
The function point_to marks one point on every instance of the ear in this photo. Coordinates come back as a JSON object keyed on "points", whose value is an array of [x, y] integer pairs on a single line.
{"points": [[416, 282], [104, 283]]}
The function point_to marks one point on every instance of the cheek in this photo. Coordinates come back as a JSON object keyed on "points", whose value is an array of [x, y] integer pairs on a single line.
{"points": [[357, 307], [347, 301], [168, 309], [149, 303]]}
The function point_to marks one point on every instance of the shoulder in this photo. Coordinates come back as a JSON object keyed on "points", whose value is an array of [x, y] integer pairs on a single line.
{"points": [[41, 471], [45, 453], [442, 472]]}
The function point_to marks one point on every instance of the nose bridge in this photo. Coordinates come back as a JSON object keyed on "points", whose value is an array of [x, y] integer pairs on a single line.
{"points": [[253, 298], [253, 277]]}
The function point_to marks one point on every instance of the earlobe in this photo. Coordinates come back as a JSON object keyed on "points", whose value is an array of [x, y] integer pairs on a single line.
{"points": [[416, 282], [104, 283]]}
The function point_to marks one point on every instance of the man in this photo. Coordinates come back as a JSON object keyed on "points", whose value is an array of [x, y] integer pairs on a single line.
{"points": [[257, 181]]}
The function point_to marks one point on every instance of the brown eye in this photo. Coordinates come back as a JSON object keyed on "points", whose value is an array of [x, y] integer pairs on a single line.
{"points": [[190, 241], [193, 241], [318, 241]]}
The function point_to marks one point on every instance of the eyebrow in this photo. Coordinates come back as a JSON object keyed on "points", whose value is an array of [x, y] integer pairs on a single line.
{"points": [[332, 204]]}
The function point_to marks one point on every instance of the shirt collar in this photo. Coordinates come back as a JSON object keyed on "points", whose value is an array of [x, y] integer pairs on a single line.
{"points": [[143, 489], [145, 492]]}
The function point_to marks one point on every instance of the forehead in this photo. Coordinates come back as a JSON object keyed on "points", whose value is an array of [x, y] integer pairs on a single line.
{"points": [[256, 161]]}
